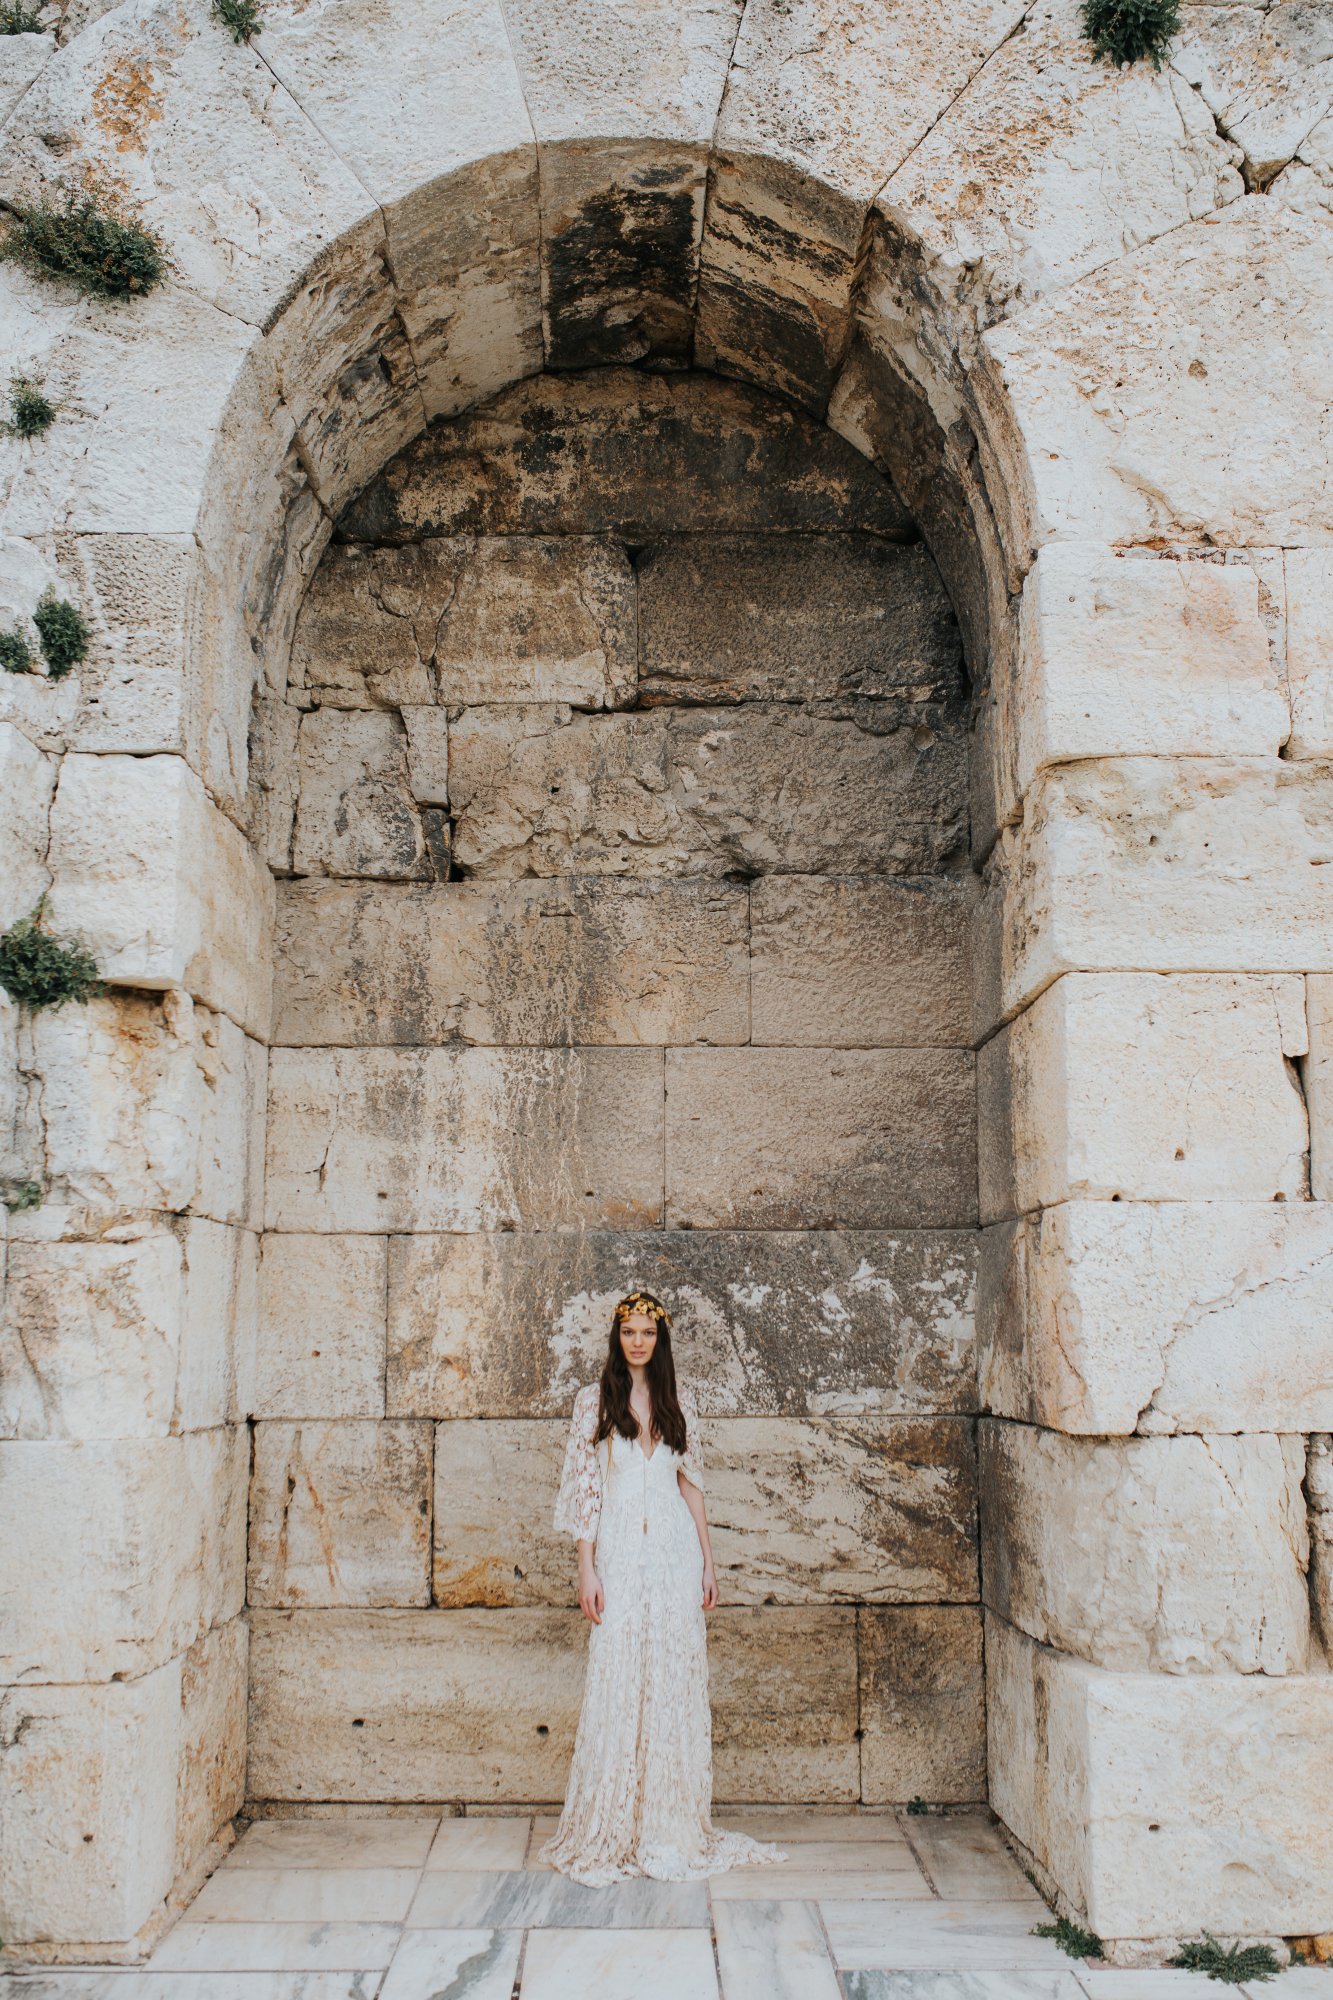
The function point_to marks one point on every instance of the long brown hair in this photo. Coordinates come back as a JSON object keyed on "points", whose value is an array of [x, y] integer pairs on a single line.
{"points": [[614, 1413]]}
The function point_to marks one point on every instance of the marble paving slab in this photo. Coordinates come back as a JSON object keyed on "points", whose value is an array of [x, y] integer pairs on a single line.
{"points": [[800, 1825], [790, 1883], [639, 1965], [773, 1951], [305, 1895], [848, 1857], [523, 1900], [133, 1983], [453, 1965], [1173, 1983], [480, 1844], [334, 1843], [333, 1947], [966, 1859], [898, 1936], [960, 1986]]}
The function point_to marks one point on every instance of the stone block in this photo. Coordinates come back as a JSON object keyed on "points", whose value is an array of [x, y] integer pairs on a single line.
{"points": [[1268, 83], [234, 1073], [629, 454], [860, 964], [923, 1705], [459, 1139], [27, 784], [1319, 1491], [340, 1514], [274, 773], [482, 1705], [217, 1322], [755, 618], [22, 61], [88, 1807], [1145, 1087], [90, 1339], [1114, 1317], [1309, 607], [154, 644], [164, 888], [1138, 658], [853, 1138], [1140, 1793], [355, 813], [1179, 1555], [320, 1343], [801, 1512], [364, 633], [1178, 865], [427, 754], [767, 1322], [1318, 1081], [564, 961], [210, 1788], [873, 787]]}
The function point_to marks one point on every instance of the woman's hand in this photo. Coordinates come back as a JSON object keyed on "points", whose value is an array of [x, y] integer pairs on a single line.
{"points": [[591, 1601], [710, 1586]]}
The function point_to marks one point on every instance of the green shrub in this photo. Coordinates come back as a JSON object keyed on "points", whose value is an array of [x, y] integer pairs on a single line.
{"points": [[16, 654], [16, 19], [1126, 30], [63, 633], [916, 1806], [39, 968], [87, 237], [23, 1194], [1071, 1938], [243, 17], [1231, 1964], [30, 412]]}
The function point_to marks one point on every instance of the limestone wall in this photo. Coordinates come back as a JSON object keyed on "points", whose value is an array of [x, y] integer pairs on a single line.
{"points": [[618, 807]]}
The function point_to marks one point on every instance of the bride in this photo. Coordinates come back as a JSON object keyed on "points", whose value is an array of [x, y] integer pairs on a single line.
{"points": [[640, 1787]]}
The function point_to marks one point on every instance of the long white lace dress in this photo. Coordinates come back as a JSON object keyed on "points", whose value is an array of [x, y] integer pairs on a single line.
{"points": [[640, 1790]]}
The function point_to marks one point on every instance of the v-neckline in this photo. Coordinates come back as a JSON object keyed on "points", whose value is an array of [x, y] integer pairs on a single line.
{"points": [[648, 1456]]}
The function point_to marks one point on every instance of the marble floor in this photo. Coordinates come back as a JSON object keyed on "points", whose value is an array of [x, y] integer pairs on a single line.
{"points": [[872, 1907]]}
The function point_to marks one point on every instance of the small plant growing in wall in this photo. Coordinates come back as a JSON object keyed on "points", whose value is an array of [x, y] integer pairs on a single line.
{"points": [[41, 968], [23, 1194], [16, 19], [1125, 31], [88, 237], [1071, 1938], [1232, 1964], [916, 1806], [242, 17], [63, 631], [30, 411], [16, 654]]}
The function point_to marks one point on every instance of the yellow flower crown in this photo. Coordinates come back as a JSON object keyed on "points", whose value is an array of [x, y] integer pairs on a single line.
{"points": [[636, 1302]]}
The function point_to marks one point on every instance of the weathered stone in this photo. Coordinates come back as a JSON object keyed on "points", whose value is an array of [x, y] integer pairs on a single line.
{"points": [[854, 787], [1319, 1491], [840, 1323], [1139, 1792], [801, 1513], [270, 806], [1318, 1082], [146, 684], [428, 757], [757, 618], [1145, 1087], [119, 1554], [340, 1514], [860, 964], [41, 709], [88, 1786], [1113, 1317], [1181, 1555], [628, 454], [1173, 865], [1308, 575], [220, 1273], [563, 961], [922, 1705], [854, 1138], [396, 1139], [355, 812], [1049, 166], [22, 60], [1267, 78], [1137, 401], [364, 635], [1121, 658], [233, 1070], [210, 1789], [27, 784], [90, 1339], [482, 1705], [163, 887], [1307, 184], [320, 1343]]}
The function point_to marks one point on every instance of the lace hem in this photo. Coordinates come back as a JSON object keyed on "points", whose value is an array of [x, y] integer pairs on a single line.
{"points": [[721, 1852]]}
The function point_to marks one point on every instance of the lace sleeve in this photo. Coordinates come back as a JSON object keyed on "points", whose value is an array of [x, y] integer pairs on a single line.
{"points": [[692, 1465], [578, 1507]]}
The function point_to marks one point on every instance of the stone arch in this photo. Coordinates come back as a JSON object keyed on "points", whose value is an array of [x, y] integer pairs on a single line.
{"points": [[1122, 413]]}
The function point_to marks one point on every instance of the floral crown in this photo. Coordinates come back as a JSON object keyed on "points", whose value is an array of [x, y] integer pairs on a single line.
{"points": [[641, 1302]]}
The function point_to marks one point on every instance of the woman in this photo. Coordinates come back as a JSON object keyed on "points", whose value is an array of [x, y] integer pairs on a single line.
{"points": [[641, 1784]]}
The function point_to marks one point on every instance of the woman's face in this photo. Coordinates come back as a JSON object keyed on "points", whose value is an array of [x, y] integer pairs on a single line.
{"points": [[638, 1338]]}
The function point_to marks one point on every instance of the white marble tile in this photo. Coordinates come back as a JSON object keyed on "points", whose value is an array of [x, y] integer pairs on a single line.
{"points": [[1163, 1983], [960, 1986], [462, 1965], [967, 1860], [849, 1857], [773, 1951], [286, 1947], [631, 1965], [305, 1896], [480, 1843], [519, 1900], [946, 1937], [790, 1883], [1299, 1982], [133, 1983], [798, 1824], [335, 1843]]}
